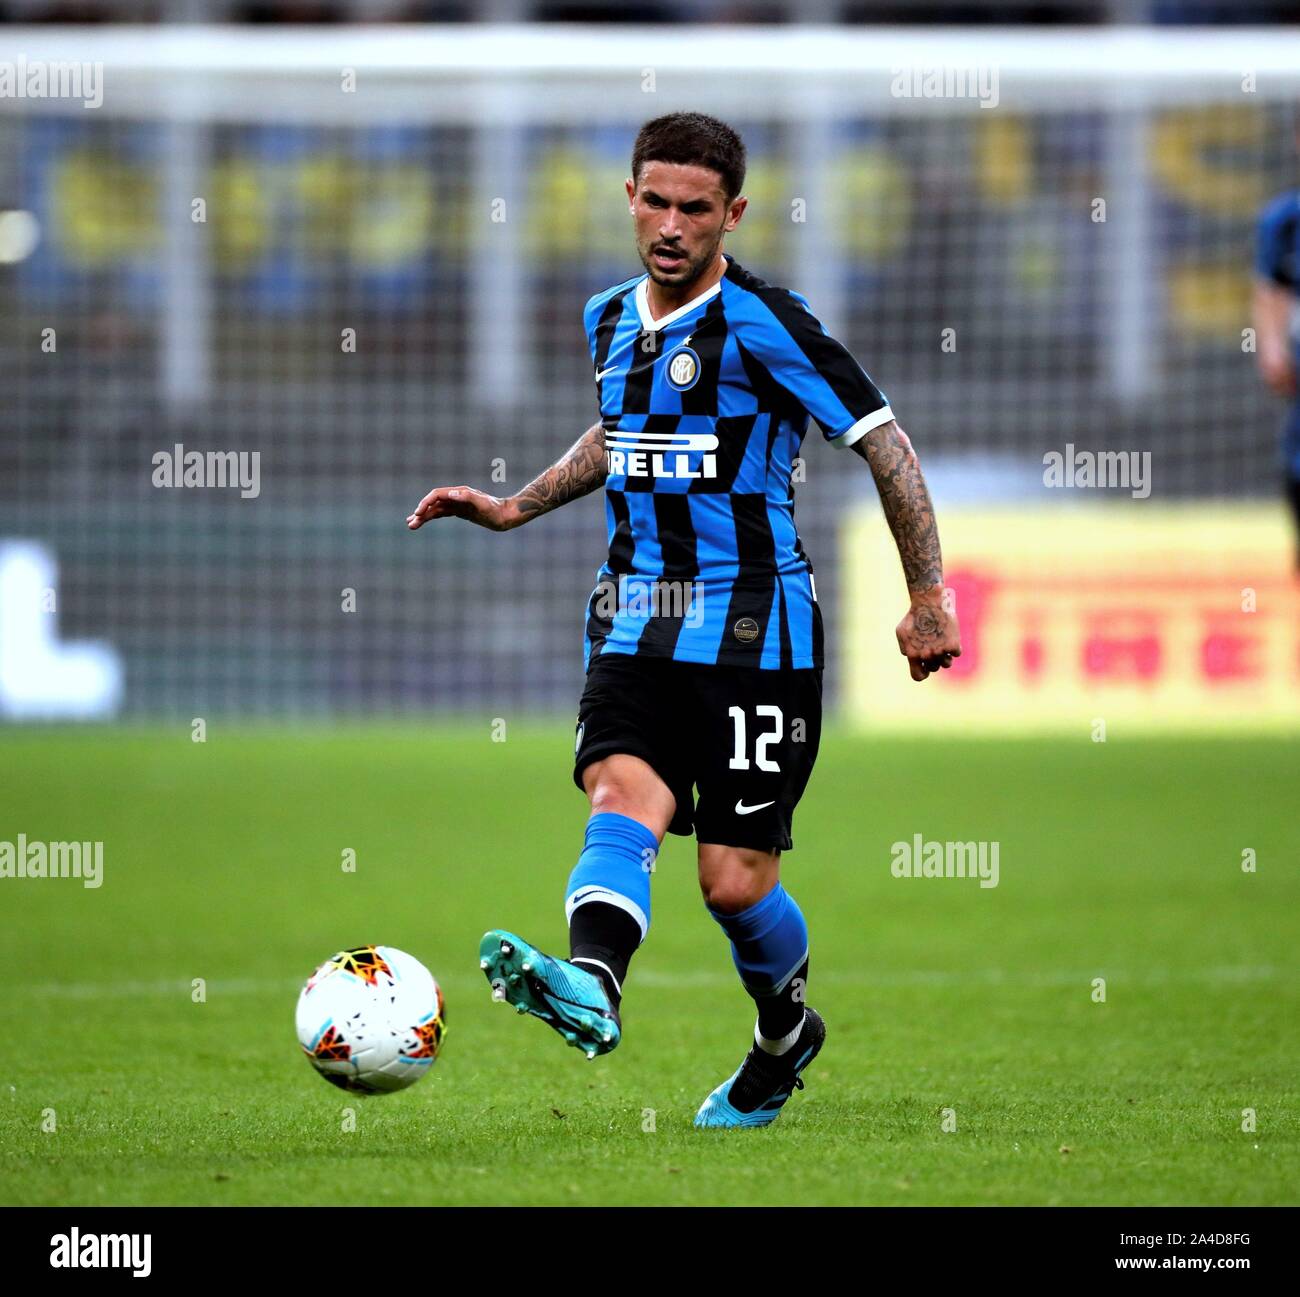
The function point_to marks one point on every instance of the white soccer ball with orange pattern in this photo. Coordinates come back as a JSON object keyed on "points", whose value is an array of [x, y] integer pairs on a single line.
{"points": [[371, 1019]]}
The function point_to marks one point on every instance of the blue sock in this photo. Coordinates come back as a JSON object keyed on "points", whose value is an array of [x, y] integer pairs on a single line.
{"points": [[769, 945], [607, 901]]}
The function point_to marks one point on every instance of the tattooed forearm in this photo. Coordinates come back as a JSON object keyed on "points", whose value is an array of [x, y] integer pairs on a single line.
{"points": [[578, 472], [906, 502]]}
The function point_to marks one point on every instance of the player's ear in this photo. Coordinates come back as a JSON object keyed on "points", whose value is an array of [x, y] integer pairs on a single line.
{"points": [[630, 185], [734, 213]]}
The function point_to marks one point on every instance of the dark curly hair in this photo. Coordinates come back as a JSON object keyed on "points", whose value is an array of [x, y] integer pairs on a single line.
{"points": [[692, 139]]}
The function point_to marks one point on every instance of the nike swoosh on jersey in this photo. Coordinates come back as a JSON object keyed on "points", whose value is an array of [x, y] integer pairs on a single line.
{"points": [[742, 809], [605, 373]]}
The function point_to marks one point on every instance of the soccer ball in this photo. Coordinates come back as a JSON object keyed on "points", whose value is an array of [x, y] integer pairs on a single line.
{"points": [[371, 1019]]}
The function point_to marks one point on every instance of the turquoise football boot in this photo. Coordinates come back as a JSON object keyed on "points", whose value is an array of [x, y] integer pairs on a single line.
{"points": [[757, 1090], [564, 996]]}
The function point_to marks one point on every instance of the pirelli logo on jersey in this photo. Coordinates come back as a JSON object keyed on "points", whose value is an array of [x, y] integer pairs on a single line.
{"points": [[661, 454]]}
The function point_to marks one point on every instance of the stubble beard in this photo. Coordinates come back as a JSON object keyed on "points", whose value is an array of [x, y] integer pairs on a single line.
{"points": [[694, 266]]}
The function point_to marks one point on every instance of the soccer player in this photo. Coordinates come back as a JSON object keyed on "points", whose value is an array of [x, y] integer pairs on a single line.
{"points": [[1277, 280], [703, 637]]}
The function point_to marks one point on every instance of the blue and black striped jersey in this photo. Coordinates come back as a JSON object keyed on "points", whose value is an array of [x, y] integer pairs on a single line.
{"points": [[1277, 241], [704, 411], [1277, 249], [1277, 259]]}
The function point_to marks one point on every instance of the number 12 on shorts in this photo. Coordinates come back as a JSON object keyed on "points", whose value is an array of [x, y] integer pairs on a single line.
{"points": [[764, 711]]}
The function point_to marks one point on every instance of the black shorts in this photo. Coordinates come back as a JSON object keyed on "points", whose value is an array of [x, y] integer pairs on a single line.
{"points": [[745, 737]]}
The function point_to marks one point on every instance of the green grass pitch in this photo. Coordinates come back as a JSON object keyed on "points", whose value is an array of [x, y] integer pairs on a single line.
{"points": [[1119, 861]]}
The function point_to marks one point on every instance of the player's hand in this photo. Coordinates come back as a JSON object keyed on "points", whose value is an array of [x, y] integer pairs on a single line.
{"points": [[1278, 369], [488, 511], [928, 636]]}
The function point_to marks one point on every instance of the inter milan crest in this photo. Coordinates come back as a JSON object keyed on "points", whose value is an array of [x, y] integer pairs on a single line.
{"points": [[683, 368]]}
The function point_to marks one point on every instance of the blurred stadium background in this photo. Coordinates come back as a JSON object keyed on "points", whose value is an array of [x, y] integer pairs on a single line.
{"points": [[457, 204]]}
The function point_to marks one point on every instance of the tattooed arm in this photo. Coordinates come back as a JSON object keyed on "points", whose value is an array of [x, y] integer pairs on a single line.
{"points": [[928, 636], [578, 472]]}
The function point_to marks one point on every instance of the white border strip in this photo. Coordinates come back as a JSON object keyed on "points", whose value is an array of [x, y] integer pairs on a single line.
{"points": [[1094, 54], [505, 75]]}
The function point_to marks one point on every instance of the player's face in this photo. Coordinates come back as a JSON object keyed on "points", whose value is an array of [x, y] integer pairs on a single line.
{"points": [[680, 214]]}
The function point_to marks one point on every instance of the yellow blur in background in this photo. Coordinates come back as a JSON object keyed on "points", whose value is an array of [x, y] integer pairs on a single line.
{"points": [[1163, 618]]}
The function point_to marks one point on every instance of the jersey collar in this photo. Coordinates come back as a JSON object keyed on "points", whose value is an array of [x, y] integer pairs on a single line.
{"points": [[643, 305]]}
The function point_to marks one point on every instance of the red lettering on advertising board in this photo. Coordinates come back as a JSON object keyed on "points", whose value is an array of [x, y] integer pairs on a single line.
{"points": [[1227, 656], [1122, 646], [972, 597]]}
